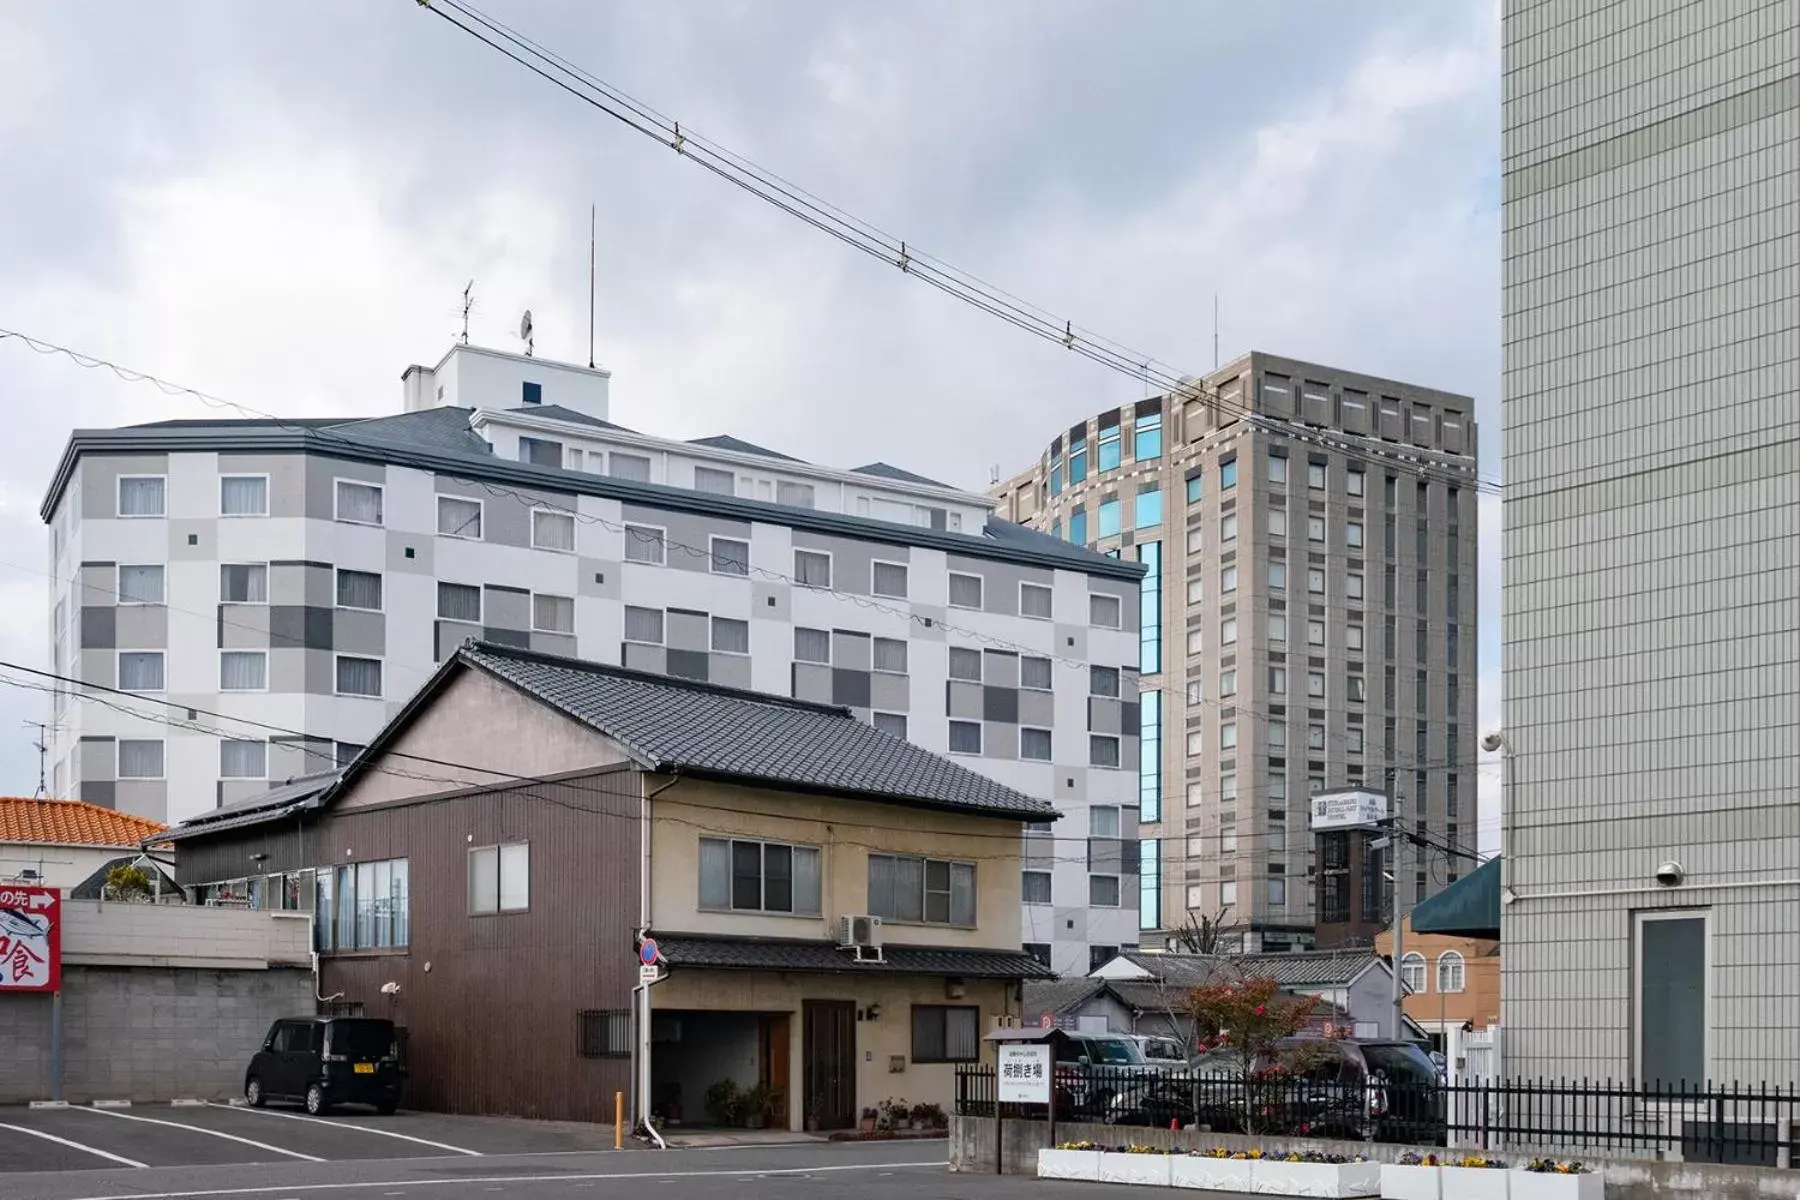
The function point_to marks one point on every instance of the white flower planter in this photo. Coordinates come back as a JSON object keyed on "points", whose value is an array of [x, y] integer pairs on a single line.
{"points": [[1335, 1180], [1529, 1185], [1211, 1174], [1475, 1183], [1412, 1183], [1083, 1165], [1145, 1170]]}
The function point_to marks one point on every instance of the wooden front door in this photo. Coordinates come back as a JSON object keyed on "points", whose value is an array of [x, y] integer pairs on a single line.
{"points": [[829, 1061]]}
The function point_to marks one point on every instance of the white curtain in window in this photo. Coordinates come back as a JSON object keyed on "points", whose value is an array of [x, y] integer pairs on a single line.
{"points": [[965, 591], [1034, 601], [730, 556], [140, 759], [515, 877], [892, 724], [459, 602], [359, 502], [243, 759], [244, 495], [243, 671], [141, 497], [730, 636], [243, 583], [552, 530], [812, 569], [644, 544], [962, 1034], [634, 467], [141, 671], [1035, 673], [484, 880], [553, 614], [965, 737], [909, 889], [806, 881], [890, 655], [359, 676], [889, 579], [715, 873], [643, 625], [800, 495], [719, 483], [812, 645], [140, 585], [962, 894], [965, 664], [362, 589], [459, 518]]}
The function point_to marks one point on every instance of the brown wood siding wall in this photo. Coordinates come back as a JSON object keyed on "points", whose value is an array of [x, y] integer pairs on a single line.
{"points": [[491, 1003]]}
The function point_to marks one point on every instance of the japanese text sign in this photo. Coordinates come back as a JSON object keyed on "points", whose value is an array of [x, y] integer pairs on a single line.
{"points": [[30, 938], [1025, 1074]]}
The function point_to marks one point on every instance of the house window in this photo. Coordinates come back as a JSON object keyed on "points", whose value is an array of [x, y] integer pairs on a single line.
{"points": [[928, 890], [812, 645], [552, 614], [753, 876], [645, 544], [1035, 885], [719, 483], [634, 467], [359, 503], [892, 724], [1672, 1000], [1034, 601], [643, 625], [1105, 611], [1412, 972], [142, 495], [243, 670], [795, 495], [1450, 973], [344, 753], [1034, 744], [889, 656], [965, 591], [888, 579], [965, 664], [362, 589], [1040, 951], [500, 878], [459, 602], [943, 1033], [812, 568], [243, 759], [243, 583], [1103, 750], [244, 495], [141, 670], [140, 758], [364, 906], [730, 556], [1103, 891], [965, 737], [606, 1034], [459, 518], [358, 676], [1035, 674], [141, 585], [551, 530]]}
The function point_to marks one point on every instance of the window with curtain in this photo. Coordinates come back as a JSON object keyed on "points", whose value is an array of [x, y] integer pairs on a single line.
{"points": [[1103, 681], [730, 556], [965, 591], [965, 664], [1412, 971], [140, 758], [552, 614], [540, 452], [243, 759], [634, 467], [1450, 972], [643, 625], [965, 737], [363, 589], [812, 645], [553, 530], [646, 544], [244, 495], [1035, 886], [798, 495], [359, 503], [742, 875], [141, 670], [358, 676], [889, 655], [921, 890], [812, 568], [1103, 750], [142, 495], [243, 670], [457, 517], [943, 1033], [892, 724], [1105, 611], [500, 878], [243, 583], [730, 635], [1034, 744], [1035, 674], [889, 579], [718, 483], [141, 585], [459, 602]]}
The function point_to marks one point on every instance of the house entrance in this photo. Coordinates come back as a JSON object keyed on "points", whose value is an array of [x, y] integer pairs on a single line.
{"points": [[720, 1069], [829, 1062]]}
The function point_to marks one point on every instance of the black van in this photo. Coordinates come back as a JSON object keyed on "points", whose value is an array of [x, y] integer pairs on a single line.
{"points": [[322, 1061]]}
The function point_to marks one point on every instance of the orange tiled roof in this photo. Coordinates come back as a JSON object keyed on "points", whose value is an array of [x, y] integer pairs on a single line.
{"points": [[70, 823]]}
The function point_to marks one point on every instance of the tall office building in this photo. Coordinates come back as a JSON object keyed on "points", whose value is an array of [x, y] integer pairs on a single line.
{"points": [[303, 578], [1308, 624], [1652, 436]]}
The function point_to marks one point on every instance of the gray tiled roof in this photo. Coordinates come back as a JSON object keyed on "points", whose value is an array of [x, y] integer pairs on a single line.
{"points": [[670, 725], [765, 954], [557, 412], [724, 441], [883, 470], [1058, 996], [442, 428], [1308, 968], [300, 792]]}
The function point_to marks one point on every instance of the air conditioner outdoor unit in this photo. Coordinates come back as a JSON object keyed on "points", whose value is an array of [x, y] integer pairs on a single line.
{"points": [[861, 934]]}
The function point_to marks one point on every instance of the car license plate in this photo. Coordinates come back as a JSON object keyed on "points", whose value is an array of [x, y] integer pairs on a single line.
{"points": [[365, 1068]]}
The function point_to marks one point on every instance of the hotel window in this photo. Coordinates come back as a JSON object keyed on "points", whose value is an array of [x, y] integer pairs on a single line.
{"points": [[248, 583], [1315, 633], [1353, 535], [1355, 483], [1228, 579], [359, 503], [1110, 448], [140, 758], [965, 591], [540, 452], [718, 483], [1315, 529], [1105, 611], [460, 518], [645, 625], [1103, 750], [358, 676], [1109, 516], [888, 579], [1278, 577], [965, 664], [1315, 476], [556, 614], [1278, 465], [1315, 580], [1149, 510], [553, 530], [1278, 522], [729, 556], [728, 635], [1103, 682], [1278, 629], [812, 645], [1147, 437], [244, 496], [1228, 631], [1228, 472], [1228, 682], [965, 737], [1228, 527], [142, 495], [1195, 488], [812, 568]]}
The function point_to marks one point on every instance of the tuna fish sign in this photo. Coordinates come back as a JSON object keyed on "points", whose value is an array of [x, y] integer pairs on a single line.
{"points": [[30, 939]]}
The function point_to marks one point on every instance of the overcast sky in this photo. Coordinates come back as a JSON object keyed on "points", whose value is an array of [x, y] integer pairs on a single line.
{"points": [[280, 204]]}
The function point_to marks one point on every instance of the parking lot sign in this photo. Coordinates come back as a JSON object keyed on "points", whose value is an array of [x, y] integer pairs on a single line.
{"points": [[1024, 1075], [30, 939]]}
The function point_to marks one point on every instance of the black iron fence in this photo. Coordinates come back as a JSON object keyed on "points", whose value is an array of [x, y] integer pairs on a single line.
{"points": [[1749, 1125]]}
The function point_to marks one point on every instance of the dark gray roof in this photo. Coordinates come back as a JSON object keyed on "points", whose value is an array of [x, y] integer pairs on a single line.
{"points": [[883, 470], [724, 441], [669, 725], [438, 439], [557, 412], [1058, 997], [305, 791], [766, 954], [1306, 968]]}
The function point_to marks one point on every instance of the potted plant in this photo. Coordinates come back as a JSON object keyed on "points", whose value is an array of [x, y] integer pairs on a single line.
{"points": [[812, 1115], [754, 1106], [1146, 1166], [928, 1116], [724, 1102], [1312, 1173], [1551, 1179], [1070, 1160], [1215, 1170], [1412, 1176], [868, 1120], [894, 1114], [1475, 1177]]}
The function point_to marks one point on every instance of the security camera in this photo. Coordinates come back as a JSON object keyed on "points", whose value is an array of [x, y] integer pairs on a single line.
{"points": [[1670, 873], [390, 988], [1492, 742]]}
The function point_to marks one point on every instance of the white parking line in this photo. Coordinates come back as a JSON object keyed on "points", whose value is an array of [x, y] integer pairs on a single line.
{"points": [[50, 1137], [294, 1189], [405, 1137], [230, 1137]]}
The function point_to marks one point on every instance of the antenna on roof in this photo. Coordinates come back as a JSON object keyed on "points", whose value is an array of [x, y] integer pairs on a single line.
{"points": [[525, 331], [994, 474], [592, 209], [468, 303], [43, 736]]}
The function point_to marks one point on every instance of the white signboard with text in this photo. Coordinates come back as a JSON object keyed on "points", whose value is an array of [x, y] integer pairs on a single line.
{"points": [[1024, 1075], [1348, 808]]}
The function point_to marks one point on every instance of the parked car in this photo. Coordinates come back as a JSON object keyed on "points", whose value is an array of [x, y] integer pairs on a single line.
{"points": [[1160, 1051], [1092, 1068], [326, 1061], [1204, 1092], [1364, 1089]]}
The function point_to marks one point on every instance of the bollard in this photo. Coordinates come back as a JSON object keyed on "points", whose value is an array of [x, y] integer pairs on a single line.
{"points": [[618, 1120]]}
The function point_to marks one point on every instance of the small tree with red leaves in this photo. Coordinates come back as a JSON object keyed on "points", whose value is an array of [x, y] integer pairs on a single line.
{"points": [[1244, 1021]]}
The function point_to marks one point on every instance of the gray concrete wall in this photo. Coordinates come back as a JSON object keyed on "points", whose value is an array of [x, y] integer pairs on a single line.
{"points": [[147, 1034]]}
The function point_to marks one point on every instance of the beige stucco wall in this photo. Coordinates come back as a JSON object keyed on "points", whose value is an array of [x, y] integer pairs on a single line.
{"points": [[479, 719], [59, 866], [877, 1041], [845, 831]]}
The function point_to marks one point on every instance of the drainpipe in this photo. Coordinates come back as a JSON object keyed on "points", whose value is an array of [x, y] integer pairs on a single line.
{"points": [[641, 993]]}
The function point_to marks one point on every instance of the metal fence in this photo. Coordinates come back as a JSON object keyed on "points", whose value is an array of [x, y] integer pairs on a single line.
{"points": [[1748, 1125]]}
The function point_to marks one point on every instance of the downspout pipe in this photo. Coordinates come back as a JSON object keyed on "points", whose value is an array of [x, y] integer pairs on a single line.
{"points": [[641, 993]]}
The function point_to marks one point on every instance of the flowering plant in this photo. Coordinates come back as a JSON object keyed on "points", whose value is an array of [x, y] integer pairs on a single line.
{"points": [[1412, 1158], [1551, 1166], [1479, 1162], [1315, 1156], [1076, 1146], [1226, 1152], [1134, 1148]]}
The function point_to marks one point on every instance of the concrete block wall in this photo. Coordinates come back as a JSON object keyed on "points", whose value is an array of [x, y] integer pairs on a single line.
{"points": [[95, 932]]}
